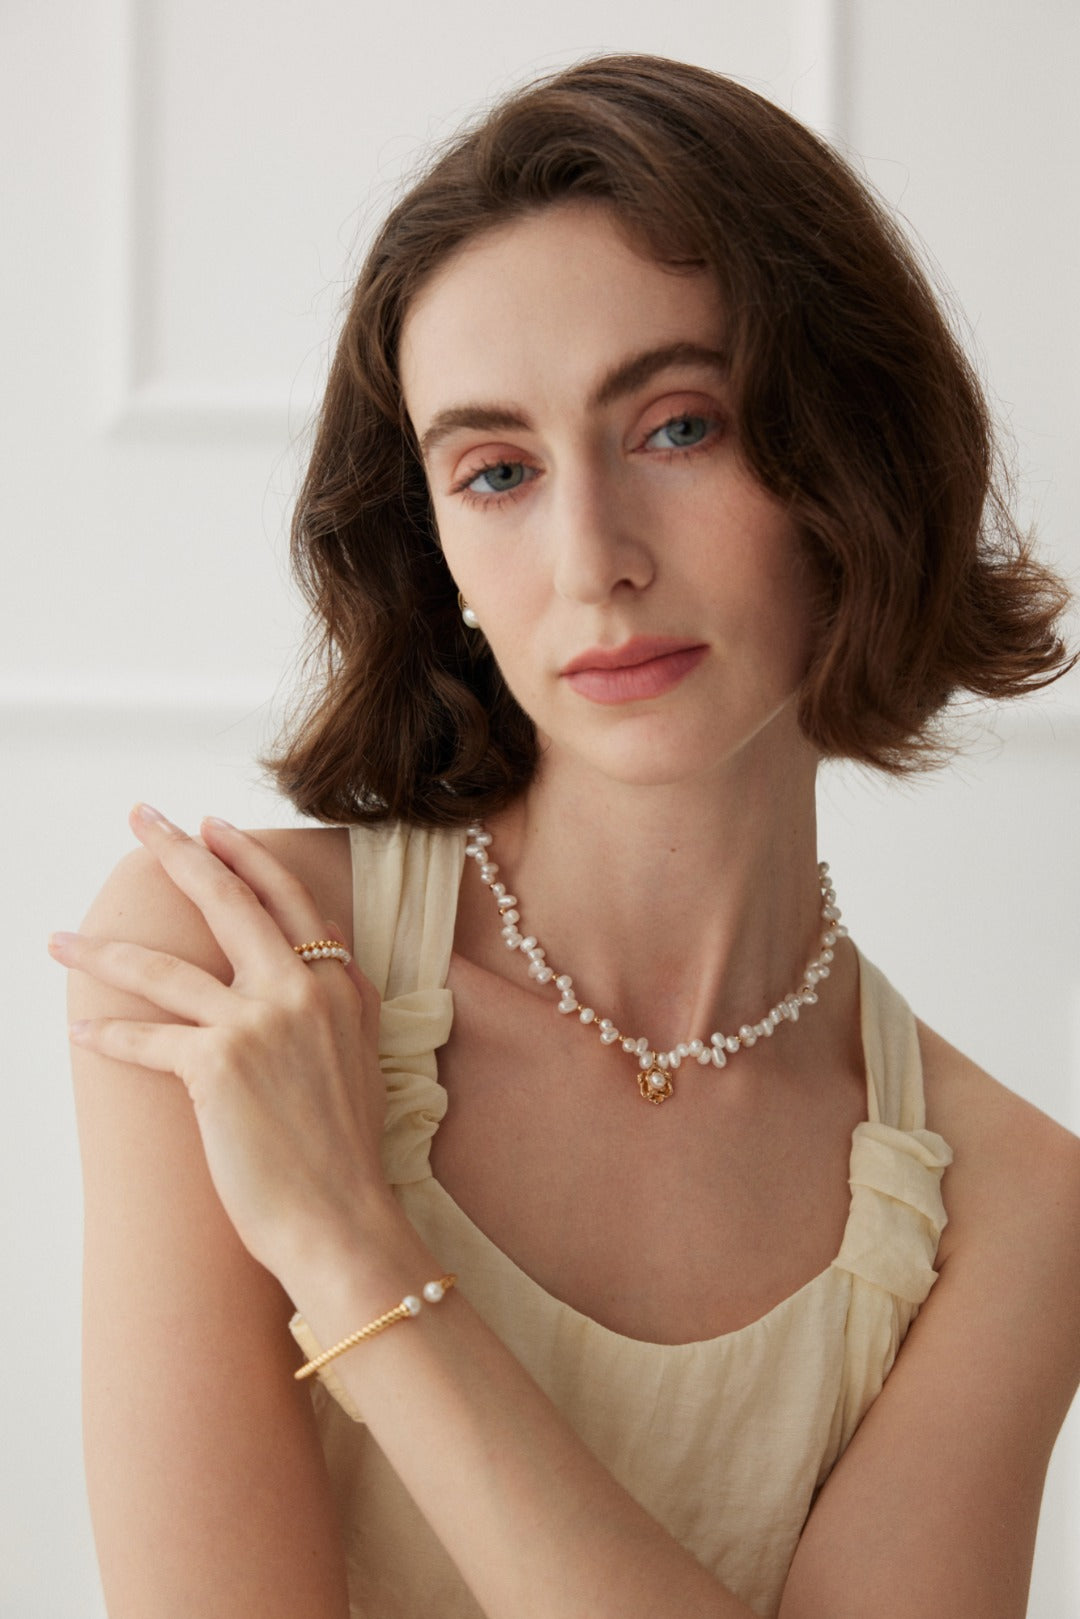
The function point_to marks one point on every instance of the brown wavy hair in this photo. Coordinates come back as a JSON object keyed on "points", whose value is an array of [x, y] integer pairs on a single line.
{"points": [[855, 405]]}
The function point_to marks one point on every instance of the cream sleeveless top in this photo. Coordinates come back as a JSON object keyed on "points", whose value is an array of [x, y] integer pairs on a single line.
{"points": [[724, 1442]]}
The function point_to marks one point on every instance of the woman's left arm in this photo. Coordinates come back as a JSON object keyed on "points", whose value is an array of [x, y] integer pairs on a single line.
{"points": [[948, 1463], [933, 1508]]}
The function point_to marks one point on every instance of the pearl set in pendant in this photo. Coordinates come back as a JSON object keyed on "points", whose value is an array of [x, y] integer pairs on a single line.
{"points": [[656, 1067]]}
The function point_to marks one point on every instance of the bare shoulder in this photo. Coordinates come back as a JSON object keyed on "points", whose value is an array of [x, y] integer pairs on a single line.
{"points": [[320, 856], [1012, 1196], [138, 902], [1013, 1166]]}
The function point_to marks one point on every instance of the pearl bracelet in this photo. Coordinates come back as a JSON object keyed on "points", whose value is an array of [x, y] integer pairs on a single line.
{"points": [[410, 1305]]}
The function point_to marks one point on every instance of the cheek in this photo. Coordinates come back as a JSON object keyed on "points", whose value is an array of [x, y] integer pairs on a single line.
{"points": [[760, 582], [751, 548], [466, 563], [516, 634], [496, 569]]}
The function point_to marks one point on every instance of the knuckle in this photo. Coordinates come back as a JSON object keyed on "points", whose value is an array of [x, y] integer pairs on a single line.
{"points": [[364, 988], [225, 1054], [370, 999], [292, 891], [235, 1045], [157, 966], [123, 1039], [264, 1027], [303, 991], [227, 888]]}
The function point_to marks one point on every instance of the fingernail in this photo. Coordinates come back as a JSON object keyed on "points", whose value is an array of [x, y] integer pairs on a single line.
{"points": [[147, 813], [60, 941], [79, 1030], [216, 820]]}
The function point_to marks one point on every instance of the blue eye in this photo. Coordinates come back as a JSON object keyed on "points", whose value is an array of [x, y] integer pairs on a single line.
{"points": [[683, 432], [500, 478]]}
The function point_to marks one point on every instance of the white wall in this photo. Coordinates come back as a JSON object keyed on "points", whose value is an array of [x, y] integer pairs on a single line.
{"points": [[187, 183]]}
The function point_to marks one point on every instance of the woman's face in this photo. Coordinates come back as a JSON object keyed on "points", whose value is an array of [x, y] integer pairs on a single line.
{"points": [[643, 596]]}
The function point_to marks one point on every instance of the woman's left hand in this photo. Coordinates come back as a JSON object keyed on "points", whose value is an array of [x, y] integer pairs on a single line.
{"points": [[281, 1064]]}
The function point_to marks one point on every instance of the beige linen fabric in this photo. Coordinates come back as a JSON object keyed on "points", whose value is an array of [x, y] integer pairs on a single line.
{"points": [[725, 1442]]}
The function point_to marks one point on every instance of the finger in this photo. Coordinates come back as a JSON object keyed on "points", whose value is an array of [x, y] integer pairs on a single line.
{"points": [[247, 933], [166, 981], [334, 930], [282, 895], [166, 1047]]}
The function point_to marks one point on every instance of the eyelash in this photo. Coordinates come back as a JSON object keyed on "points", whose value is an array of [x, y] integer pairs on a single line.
{"points": [[494, 501]]}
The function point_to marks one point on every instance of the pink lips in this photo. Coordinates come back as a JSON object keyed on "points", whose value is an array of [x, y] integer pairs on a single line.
{"points": [[647, 666]]}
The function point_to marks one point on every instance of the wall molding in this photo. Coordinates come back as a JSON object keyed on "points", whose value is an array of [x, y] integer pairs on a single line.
{"points": [[139, 402], [64, 702], [822, 46]]}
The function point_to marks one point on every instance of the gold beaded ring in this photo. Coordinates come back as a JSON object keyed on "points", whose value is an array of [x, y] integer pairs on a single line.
{"points": [[323, 950]]}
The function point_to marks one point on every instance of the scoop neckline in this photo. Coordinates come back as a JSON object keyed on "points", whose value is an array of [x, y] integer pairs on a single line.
{"points": [[591, 1324], [868, 1010]]}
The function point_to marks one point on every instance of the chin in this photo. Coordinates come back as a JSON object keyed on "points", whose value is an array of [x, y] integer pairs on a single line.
{"points": [[637, 764], [658, 752]]}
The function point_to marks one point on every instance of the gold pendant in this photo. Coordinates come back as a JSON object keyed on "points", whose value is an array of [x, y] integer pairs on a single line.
{"points": [[654, 1083]]}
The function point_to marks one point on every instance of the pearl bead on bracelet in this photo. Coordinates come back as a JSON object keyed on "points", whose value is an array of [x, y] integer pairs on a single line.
{"points": [[409, 1306]]}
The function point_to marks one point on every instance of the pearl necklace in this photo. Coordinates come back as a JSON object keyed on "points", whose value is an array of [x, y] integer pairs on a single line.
{"points": [[656, 1067]]}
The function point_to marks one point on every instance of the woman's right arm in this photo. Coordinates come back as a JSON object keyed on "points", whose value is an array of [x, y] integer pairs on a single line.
{"points": [[208, 1490]]}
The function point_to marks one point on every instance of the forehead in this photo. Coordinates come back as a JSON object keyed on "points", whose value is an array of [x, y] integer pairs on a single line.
{"points": [[552, 299]]}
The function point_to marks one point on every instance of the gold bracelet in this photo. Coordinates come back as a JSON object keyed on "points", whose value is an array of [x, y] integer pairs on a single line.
{"points": [[410, 1305]]}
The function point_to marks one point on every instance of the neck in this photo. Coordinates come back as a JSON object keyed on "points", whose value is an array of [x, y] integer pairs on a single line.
{"points": [[676, 910]]}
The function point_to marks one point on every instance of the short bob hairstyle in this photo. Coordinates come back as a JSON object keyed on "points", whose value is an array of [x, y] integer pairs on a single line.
{"points": [[854, 403]]}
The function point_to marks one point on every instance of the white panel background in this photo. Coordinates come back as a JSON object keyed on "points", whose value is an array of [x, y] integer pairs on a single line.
{"points": [[186, 187]]}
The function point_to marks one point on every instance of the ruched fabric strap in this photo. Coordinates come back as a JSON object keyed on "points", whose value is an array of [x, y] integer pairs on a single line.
{"points": [[411, 1027], [897, 1214], [405, 888]]}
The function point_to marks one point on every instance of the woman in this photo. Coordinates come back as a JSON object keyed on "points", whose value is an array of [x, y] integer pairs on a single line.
{"points": [[648, 476]]}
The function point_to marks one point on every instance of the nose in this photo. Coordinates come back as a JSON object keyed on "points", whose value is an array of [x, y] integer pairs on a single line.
{"points": [[600, 544]]}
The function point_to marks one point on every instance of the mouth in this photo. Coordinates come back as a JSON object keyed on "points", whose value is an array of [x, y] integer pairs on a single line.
{"points": [[644, 667]]}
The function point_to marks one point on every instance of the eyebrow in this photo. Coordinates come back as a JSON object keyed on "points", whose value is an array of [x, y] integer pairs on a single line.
{"points": [[622, 379]]}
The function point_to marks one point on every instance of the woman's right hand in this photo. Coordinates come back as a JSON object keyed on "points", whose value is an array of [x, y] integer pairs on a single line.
{"points": [[281, 1064]]}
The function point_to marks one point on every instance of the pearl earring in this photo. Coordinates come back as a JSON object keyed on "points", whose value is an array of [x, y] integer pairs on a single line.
{"points": [[467, 613]]}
